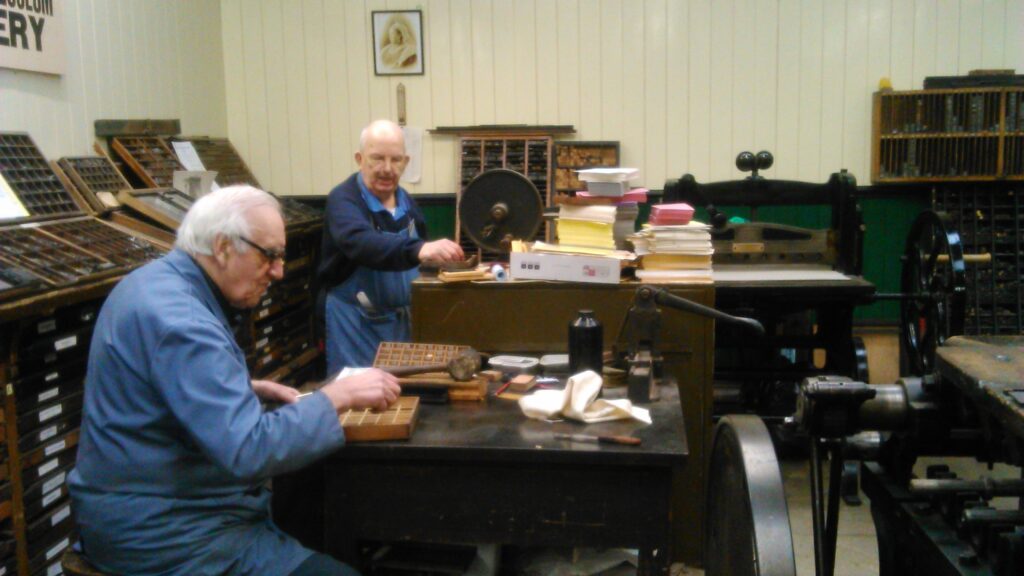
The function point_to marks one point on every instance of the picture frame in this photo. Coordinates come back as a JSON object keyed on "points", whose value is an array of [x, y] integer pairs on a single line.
{"points": [[398, 42]]}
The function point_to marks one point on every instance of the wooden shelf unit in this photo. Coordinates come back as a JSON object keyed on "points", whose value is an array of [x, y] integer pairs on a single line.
{"points": [[578, 155], [971, 134]]}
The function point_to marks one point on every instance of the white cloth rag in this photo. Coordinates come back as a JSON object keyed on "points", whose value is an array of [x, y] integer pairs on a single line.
{"points": [[579, 401]]}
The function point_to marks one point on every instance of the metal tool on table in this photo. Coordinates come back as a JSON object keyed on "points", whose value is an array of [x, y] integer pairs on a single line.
{"points": [[601, 439], [643, 324]]}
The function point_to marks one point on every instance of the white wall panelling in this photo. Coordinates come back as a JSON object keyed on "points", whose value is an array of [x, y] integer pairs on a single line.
{"points": [[153, 59], [684, 85]]}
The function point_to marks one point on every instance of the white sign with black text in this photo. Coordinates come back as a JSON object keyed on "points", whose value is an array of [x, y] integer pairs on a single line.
{"points": [[32, 35]]}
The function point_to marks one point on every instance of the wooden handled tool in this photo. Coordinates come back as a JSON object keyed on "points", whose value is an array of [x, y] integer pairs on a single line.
{"points": [[461, 368]]}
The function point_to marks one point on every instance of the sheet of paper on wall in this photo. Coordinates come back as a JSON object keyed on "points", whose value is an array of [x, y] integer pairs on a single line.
{"points": [[190, 159], [10, 205], [414, 149], [195, 183]]}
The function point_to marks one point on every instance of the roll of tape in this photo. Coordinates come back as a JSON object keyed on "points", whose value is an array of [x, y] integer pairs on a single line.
{"points": [[499, 273]]}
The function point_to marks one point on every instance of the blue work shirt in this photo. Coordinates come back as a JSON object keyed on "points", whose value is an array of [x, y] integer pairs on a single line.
{"points": [[175, 447], [360, 232]]}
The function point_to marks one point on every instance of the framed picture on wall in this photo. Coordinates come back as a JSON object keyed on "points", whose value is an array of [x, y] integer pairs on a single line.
{"points": [[397, 42]]}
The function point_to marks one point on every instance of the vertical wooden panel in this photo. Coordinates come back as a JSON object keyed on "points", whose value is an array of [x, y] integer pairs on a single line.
{"points": [[833, 90], [810, 94], [789, 102], [677, 97], [504, 61], [568, 62], [359, 59], [993, 33], [925, 25], [902, 46], [234, 79], [698, 132], [276, 86], [524, 62], [610, 43], [297, 105], [766, 75], [315, 40], [255, 93], [342, 103], [633, 89], [443, 54], [972, 41], [745, 90], [590, 127], [1013, 47], [722, 72], [655, 96], [548, 85], [382, 96], [463, 83], [858, 87], [483, 64], [947, 36]]}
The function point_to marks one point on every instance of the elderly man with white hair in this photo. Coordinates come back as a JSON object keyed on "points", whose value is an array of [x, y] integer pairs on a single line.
{"points": [[175, 447]]}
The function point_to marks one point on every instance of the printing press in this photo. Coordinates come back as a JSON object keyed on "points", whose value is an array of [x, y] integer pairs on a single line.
{"points": [[801, 283], [965, 401]]}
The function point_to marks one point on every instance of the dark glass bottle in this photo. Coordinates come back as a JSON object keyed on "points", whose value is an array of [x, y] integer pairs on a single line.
{"points": [[586, 338]]}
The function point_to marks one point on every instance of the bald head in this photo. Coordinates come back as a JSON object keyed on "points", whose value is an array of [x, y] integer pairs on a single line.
{"points": [[381, 130], [382, 159]]}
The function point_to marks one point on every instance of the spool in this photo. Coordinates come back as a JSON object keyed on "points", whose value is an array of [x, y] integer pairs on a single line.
{"points": [[499, 273]]}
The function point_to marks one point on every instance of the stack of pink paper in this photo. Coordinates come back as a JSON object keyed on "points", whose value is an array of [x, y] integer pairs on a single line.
{"points": [[670, 214]]}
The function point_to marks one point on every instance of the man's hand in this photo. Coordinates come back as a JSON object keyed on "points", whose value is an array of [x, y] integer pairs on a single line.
{"points": [[443, 250], [372, 388], [274, 392]]}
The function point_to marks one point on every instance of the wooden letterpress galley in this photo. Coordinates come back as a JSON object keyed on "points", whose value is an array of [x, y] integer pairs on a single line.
{"points": [[56, 266]]}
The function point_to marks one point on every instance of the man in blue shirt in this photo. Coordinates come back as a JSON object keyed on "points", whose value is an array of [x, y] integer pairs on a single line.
{"points": [[373, 242], [175, 447]]}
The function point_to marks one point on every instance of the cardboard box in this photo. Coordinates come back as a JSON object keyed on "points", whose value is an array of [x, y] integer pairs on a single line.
{"points": [[567, 267]]}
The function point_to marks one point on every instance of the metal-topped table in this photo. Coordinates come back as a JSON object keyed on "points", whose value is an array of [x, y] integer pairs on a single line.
{"points": [[484, 472]]}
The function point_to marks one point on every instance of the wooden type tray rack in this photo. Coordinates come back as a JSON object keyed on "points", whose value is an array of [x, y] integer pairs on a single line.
{"points": [[31, 178], [969, 134], [96, 179], [298, 214], [149, 158], [395, 423], [68, 251], [42, 415], [219, 155], [165, 206]]}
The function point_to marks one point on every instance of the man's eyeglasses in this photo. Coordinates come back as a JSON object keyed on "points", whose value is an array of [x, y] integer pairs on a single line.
{"points": [[376, 160], [270, 255]]}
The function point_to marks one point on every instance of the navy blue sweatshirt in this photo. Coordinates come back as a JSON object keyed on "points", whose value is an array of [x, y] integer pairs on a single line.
{"points": [[353, 235]]}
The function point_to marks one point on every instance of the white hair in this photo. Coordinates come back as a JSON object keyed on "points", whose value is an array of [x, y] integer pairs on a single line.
{"points": [[222, 212], [376, 125]]}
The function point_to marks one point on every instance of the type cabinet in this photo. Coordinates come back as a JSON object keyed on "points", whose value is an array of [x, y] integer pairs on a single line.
{"points": [[974, 134]]}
